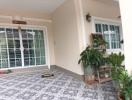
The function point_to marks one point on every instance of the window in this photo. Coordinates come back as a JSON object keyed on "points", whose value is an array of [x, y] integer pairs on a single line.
{"points": [[111, 34]]}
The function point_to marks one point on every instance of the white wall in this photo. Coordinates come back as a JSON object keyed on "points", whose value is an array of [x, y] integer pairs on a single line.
{"points": [[66, 37], [126, 14]]}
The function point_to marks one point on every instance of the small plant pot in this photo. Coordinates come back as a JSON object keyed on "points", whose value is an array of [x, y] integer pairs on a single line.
{"points": [[90, 79], [120, 96]]}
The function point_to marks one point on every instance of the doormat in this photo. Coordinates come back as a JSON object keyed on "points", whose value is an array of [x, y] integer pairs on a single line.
{"points": [[47, 73], [5, 71]]}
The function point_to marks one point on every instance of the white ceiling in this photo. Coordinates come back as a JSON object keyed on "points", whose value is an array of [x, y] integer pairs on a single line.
{"points": [[42, 6]]}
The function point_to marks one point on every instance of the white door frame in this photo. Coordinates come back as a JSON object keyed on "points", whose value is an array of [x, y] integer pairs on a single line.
{"points": [[46, 41]]}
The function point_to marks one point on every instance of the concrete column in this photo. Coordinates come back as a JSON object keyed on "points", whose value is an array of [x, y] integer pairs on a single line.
{"points": [[126, 15]]}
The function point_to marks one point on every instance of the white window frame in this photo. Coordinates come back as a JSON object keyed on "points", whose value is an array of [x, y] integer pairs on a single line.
{"points": [[108, 22], [46, 42]]}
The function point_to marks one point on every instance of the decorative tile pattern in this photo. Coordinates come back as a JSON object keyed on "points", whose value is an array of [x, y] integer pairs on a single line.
{"points": [[59, 83], [10, 83], [45, 82], [30, 86], [64, 78], [70, 92], [2, 81], [66, 98], [2, 99], [26, 95], [19, 78], [9, 92], [90, 95], [53, 89], [109, 96], [23, 85], [1, 88], [45, 97], [33, 80], [108, 89], [37, 87], [75, 85]]}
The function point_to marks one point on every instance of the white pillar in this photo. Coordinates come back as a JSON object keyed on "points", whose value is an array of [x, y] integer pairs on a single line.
{"points": [[126, 15]]}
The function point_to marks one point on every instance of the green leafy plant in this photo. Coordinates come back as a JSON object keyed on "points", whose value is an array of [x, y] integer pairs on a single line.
{"points": [[115, 59], [120, 75], [98, 40], [91, 57]]}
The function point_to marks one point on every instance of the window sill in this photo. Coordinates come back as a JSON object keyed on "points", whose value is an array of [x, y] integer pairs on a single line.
{"points": [[109, 51]]}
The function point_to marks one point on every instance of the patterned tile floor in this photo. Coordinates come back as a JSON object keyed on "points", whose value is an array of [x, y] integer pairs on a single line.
{"points": [[30, 86]]}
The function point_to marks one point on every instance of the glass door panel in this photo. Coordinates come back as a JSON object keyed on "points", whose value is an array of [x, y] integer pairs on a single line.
{"points": [[39, 47], [33, 44], [3, 49], [28, 45], [4, 58], [32, 61], [14, 47], [21, 48]]}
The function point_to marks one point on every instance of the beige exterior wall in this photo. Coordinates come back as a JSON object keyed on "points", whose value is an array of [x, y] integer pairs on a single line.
{"points": [[97, 8], [70, 27], [69, 31], [33, 14], [66, 36]]}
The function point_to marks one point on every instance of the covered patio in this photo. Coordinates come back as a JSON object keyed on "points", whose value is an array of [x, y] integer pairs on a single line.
{"points": [[36, 35]]}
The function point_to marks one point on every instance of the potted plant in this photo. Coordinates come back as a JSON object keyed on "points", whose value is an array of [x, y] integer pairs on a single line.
{"points": [[98, 41], [125, 84], [122, 81], [91, 59], [115, 59]]}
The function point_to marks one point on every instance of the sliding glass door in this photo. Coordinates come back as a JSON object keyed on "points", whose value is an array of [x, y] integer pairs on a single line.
{"points": [[21, 47], [3, 49], [33, 44]]}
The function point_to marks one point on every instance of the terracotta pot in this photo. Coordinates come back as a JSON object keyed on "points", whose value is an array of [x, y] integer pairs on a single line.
{"points": [[120, 97], [89, 78]]}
